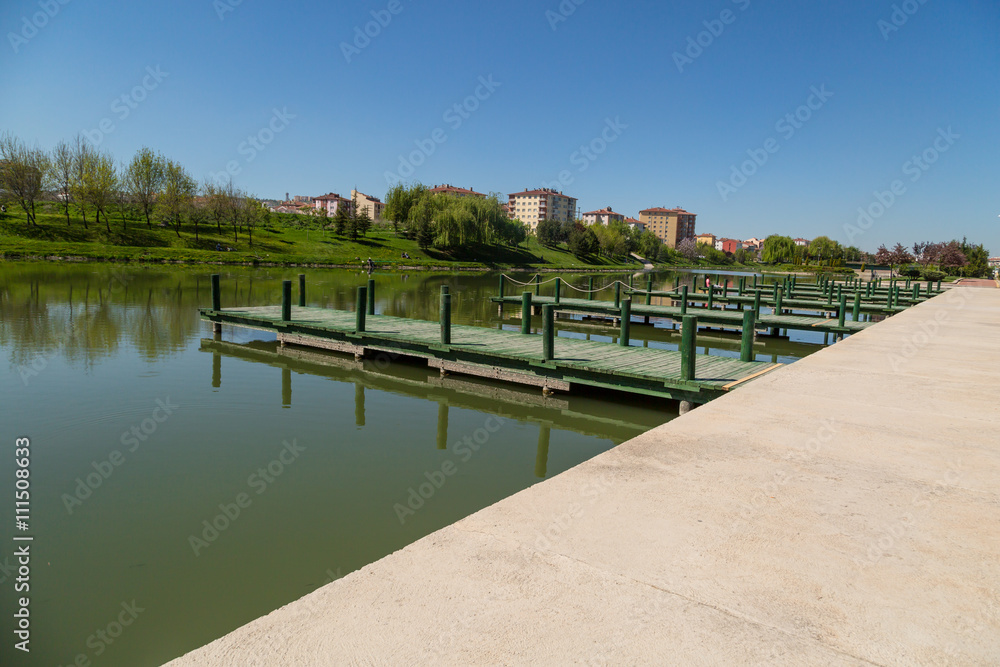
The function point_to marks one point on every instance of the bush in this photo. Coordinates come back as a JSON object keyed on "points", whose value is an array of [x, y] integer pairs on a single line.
{"points": [[911, 271], [933, 276]]}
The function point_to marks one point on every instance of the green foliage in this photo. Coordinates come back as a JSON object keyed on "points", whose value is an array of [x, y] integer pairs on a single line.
{"points": [[549, 232], [650, 246], [778, 249], [582, 241]]}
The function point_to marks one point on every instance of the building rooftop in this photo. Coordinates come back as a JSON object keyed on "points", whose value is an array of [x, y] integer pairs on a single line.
{"points": [[451, 189]]}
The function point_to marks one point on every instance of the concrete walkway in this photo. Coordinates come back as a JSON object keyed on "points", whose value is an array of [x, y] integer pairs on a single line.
{"points": [[845, 510]]}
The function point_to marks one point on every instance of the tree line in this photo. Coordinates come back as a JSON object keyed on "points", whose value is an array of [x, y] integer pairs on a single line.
{"points": [[91, 183]]}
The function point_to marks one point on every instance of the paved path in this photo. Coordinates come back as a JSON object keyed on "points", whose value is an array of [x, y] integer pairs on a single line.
{"points": [[842, 511]]}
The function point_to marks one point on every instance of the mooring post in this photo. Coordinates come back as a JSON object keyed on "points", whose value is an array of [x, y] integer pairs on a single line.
{"points": [[445, 315], [371, 296], [286, 300], [359, 312], [829, 296], [689, 328], [649, 290], [558, 289], [501, 286], [856, 312], [742, 284], [526, 313], [630, 277], [618, 294], [916, 292], [216, 293], [711, 297], [626, 313], [302, 290], [442, 431], [590, 288], [677, 282], [538, 284], [778, 301], [746, 340], [842, 311], [684, 299], [548, 332], [939, 286], [756, 304]]}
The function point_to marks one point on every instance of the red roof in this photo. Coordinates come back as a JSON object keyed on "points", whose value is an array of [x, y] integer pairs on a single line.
{"points": [[330, 197], [678, 211], [543, 191], [604, 211]]}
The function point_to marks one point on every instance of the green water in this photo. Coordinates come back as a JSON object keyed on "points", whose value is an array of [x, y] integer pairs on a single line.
{"points": [[142, 424]]}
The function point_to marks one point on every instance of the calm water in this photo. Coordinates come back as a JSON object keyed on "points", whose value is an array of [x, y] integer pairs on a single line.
{"points": [[183, 484]]}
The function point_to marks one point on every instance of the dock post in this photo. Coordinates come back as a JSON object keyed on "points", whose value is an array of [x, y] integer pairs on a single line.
{"points": [[677, 282], [856, 312], [743, 282], [558, 289], [939, 286], [359, 404], [746, 341], [501, 286], [777, 303], [829, 297], [442, 430], [618, 294], [371, 296], [777, 289], [538, 284], [626, 313], [689, 328], [286, 300], [916, 292], [548, 332], [359, 312], [630, 276], [711, 297], [302, 290], [756, 304], [590, 288], [842, 311], [286, 387], [649, 290], [526, 313], [684, 299], [445, 316], [217, 293]]}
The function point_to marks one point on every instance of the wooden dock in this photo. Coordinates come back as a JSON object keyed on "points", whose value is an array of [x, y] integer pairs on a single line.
{"points": [[548, 361]]}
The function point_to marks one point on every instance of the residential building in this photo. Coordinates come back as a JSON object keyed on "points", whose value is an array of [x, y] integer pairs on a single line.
{"points": [[801, 242], [728, 245], [364, 202], [531, 206], [603, 216], [708, 239], [753, 244], [632, 222], [455, 192], [303, 199], [671, 225], [332, 202]]}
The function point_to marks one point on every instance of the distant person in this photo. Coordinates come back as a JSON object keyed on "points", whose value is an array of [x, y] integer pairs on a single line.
{"points": [[371, 266]]}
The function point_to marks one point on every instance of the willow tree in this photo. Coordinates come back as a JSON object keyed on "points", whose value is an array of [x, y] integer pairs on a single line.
{"points": [[778, 249]]}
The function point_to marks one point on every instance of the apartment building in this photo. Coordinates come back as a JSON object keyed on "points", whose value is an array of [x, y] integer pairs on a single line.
{"points": [[603, 216], [531, 206], [708, 239], [455, 192], [671, 225], [332, 202], [632, 222], [373, 205]]}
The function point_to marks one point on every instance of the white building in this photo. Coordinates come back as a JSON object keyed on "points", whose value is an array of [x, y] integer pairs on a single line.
{"points": [[531, 206]]}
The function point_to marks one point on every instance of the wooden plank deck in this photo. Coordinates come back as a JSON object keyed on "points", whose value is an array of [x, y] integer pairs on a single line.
{"points": [[648, 371], [727, 318], [796, 302]]}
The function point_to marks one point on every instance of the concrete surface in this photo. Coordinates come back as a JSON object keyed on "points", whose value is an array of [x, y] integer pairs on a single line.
{"points": [[841, 511]]}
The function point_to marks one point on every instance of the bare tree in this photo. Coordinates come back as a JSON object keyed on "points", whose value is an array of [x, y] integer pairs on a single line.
{"points": [[24, 173], [175, 197], [215, 200], [83, 156], [102, 184], [62, 173], [144, 179]]}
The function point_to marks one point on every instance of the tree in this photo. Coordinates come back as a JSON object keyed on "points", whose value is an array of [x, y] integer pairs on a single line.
{"points": [[900, 255], [778, 249], [100, 185], [951, 256], [582, 241], [174, 198], [340, 220], [425, 234], [83, 157], [216, 202], [399, 201], [144, 179], [362, 221], [688, 248], [548, 232], [978, 259], [62, 173], [25, 173], [650, 245], [823, 247]]}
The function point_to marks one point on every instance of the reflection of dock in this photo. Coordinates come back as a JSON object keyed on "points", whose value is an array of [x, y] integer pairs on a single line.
{"points": [[562, 413], [547, 361]]}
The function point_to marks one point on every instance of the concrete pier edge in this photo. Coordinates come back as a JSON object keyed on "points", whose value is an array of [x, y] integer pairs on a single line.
{"points": [[843, 510]]}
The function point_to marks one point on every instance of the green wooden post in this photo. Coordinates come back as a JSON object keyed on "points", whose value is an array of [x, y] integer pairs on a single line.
{"points": [[558, 289], [371, 296], [618, 294], [501, 286], [538, 284], [856, 313], [684, 299], [711, 297], [756, 304], [777, 302], [939, 286], [626, 321], [677, 282], [359, 313], [916, 292], [526, 313], [746, 340], [907, 283], [829, 296], [649, 290], [689, 328], [286, 300], [590, 288], [445, 315], [743, 284], [630, 277], [216, 293], [842, 311], [548, 332], [302, 289]]}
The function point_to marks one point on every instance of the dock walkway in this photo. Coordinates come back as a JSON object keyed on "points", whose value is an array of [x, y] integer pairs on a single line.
{"points": [[842, 511]]}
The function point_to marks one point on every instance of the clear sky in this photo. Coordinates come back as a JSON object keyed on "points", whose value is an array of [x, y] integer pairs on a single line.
{"points": [[624, 104]]}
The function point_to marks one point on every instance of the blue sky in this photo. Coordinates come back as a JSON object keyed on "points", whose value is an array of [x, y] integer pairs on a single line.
{"points": [[590, 97]]}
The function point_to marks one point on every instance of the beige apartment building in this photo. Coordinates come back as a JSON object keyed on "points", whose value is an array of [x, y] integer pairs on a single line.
{"points": [[531, 206], [603, 216], [671, 225], [373, 205]]}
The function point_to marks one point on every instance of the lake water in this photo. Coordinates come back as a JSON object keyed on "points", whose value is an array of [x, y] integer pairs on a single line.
{"points": [[185, 483]]}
